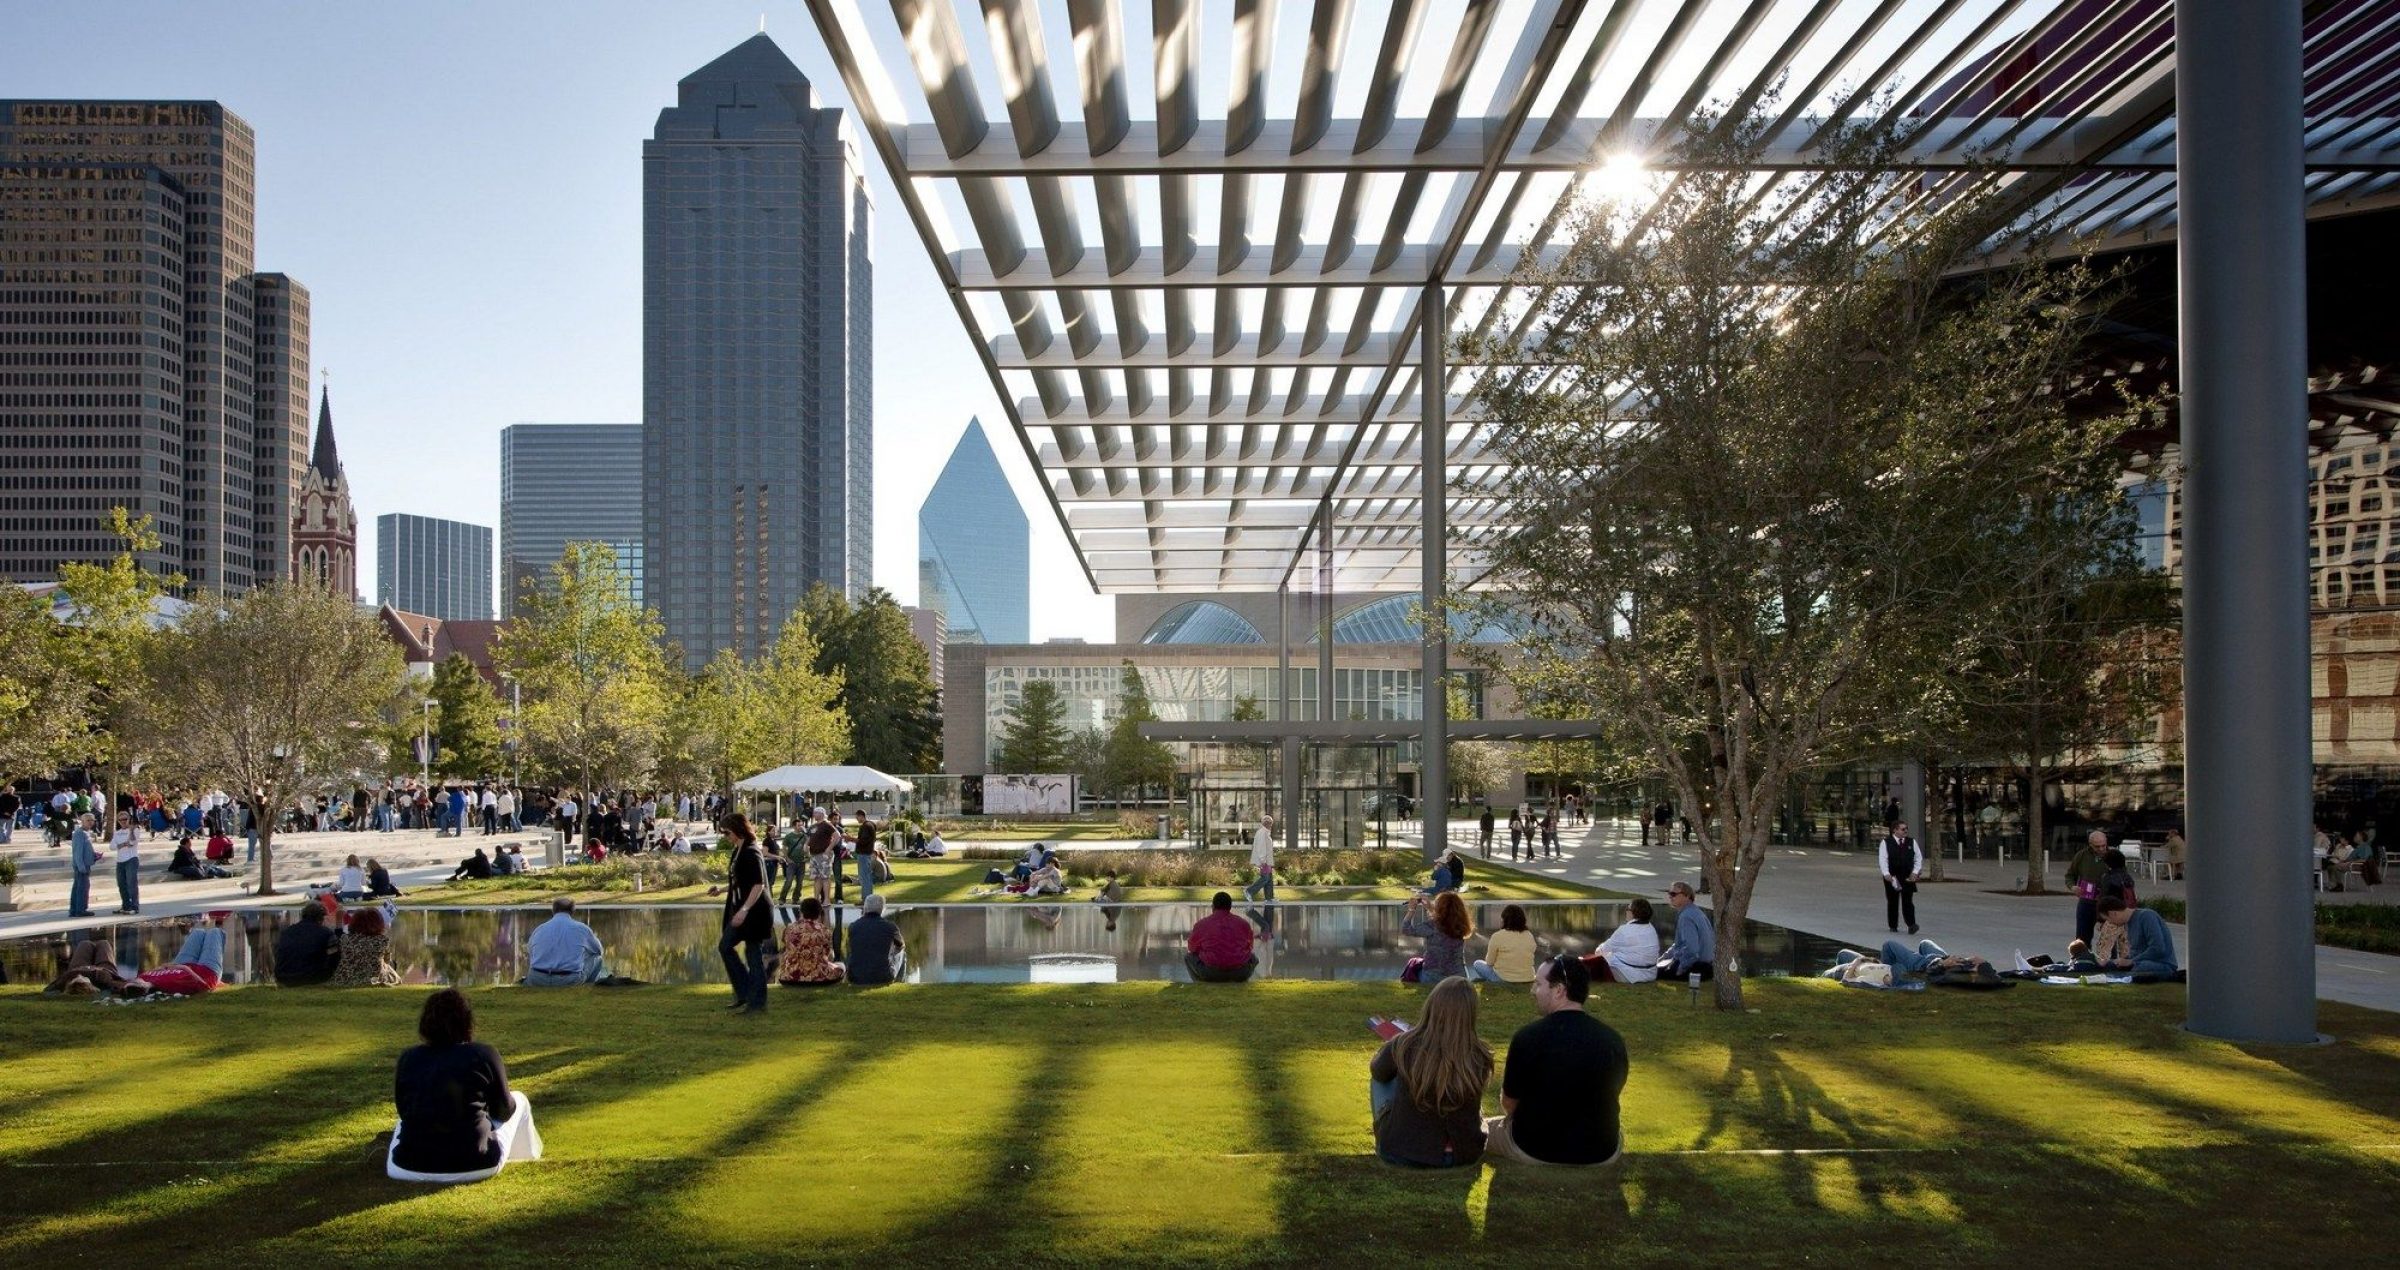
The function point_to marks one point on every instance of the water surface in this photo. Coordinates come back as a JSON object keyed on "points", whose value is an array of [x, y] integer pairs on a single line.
{"points": [[998, 943]]}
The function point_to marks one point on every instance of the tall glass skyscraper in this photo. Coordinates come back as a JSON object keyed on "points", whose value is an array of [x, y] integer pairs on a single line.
{"points": [[439, 568], [562, 483], [757, 445], [972, 542]]}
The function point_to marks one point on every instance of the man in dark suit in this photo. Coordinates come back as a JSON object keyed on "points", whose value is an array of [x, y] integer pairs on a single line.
{"points": [[1902, 863]]}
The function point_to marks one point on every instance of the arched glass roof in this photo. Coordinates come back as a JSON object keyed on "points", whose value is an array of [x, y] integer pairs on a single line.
{"points": [[1390, 621], [1202, 622]]}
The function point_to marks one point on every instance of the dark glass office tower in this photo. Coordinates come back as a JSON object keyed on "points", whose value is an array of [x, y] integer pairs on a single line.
{"points": [[757, 446], [563, 483], [973, 559], [126, 252]]}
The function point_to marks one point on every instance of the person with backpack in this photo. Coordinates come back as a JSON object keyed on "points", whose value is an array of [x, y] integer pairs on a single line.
{"points": [[1902, 864]]}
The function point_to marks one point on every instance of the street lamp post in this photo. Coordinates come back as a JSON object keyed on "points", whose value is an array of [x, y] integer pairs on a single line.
{"points": [[425, 744]]}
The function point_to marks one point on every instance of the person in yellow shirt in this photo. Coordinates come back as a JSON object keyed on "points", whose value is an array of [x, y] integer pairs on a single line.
{"points": [[1508, 952]]}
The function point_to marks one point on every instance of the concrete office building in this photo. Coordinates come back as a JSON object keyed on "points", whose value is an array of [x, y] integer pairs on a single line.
{"points": [[440, 568], [974, 551], [931, 631], [131, 351], [568, 482], [756, 326]]}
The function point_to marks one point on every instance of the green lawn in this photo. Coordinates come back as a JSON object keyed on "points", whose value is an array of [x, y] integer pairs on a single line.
{"points": [[1389, 875], [1154, 1122], [2371, 928]]}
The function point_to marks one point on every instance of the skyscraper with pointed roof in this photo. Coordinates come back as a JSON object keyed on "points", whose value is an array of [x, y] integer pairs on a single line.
{"points": [[972, 545], [324, 523], [757, 428]]}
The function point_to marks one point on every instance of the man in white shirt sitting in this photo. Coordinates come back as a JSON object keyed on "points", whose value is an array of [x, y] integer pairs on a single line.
{"points": [[563, 952]]}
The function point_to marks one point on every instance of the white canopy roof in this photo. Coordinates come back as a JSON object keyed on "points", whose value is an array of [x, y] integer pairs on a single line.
{"points": [[1192, 241], [795, 779]]}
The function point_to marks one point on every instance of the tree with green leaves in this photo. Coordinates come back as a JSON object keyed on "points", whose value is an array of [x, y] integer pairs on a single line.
{"points": [[782, 709], [466, 721], [1034, 739], [592, 674], [114, 615], [2068, 650], [887, 681], [1135, 762], [44, 702], [266, 694], [1745, 428]]}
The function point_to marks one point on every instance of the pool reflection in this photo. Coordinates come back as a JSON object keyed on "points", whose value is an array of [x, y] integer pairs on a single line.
{"points": [[1009, 943]]}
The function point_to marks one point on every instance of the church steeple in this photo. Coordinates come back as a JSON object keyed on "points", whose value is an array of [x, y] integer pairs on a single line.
{"points": [[323, 458], [324, 523]]}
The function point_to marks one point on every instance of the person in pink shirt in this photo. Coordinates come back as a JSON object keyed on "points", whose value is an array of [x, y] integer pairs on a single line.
{"points": [[1219, 948]]}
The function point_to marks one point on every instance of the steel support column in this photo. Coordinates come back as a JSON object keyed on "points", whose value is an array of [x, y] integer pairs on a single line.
{"points": [[1432, 486], [1288, 776], [2243, 326]]}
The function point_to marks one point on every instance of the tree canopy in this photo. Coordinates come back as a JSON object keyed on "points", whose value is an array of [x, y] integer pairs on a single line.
{"points": [[266, 694], [1751, 434], [887, 687], [591, 673]]}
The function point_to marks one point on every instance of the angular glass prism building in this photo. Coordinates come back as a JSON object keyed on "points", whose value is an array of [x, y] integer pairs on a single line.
{"points": [[972, 541]]}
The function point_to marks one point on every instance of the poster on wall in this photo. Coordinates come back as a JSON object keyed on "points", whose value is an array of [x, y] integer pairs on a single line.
{"points": [[1028, 795]]}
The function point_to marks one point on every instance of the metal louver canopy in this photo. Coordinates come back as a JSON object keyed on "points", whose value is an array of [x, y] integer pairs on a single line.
{"points": [[1198, 233]]}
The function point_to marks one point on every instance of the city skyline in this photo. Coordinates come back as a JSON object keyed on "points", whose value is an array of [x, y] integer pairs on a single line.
{"points": [[555, 282]]}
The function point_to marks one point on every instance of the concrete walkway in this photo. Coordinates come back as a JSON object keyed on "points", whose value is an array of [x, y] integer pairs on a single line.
{"points": [[1838, 895], [416, 857]]}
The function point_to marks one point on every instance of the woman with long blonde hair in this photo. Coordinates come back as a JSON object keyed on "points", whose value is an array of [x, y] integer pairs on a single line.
{"points": [[1427, 1085]]}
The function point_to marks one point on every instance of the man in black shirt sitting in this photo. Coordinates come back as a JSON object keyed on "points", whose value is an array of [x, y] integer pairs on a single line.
{"points": [[307, 950], [1565, 1072]]}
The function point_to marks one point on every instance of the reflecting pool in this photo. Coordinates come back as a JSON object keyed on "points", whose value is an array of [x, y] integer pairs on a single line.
{"points": [[999, 943]]}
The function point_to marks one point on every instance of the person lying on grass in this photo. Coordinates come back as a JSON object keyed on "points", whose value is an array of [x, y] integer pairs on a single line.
{"points": [[196, 969], [1425, 1086]]}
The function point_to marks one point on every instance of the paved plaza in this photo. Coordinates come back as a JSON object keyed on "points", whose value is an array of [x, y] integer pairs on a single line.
{"points": [[1837, 894]]}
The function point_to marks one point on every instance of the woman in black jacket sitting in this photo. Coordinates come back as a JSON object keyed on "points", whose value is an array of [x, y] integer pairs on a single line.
{"points": [[459, 1120]]}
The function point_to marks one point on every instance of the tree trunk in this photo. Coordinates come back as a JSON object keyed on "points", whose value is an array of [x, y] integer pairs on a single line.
{"points": [[2035, 837], [1732, 911], [266, 850], [2036, 833], [1929, 834]]}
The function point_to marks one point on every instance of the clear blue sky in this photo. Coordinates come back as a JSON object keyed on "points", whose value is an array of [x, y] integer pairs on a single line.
{"points": [[459, 186]]}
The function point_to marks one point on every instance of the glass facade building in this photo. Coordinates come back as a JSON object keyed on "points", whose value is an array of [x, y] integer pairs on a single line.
{"points": [[756, 338], [973, 548], [440, 568], [568, 482], [131, 343]]}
